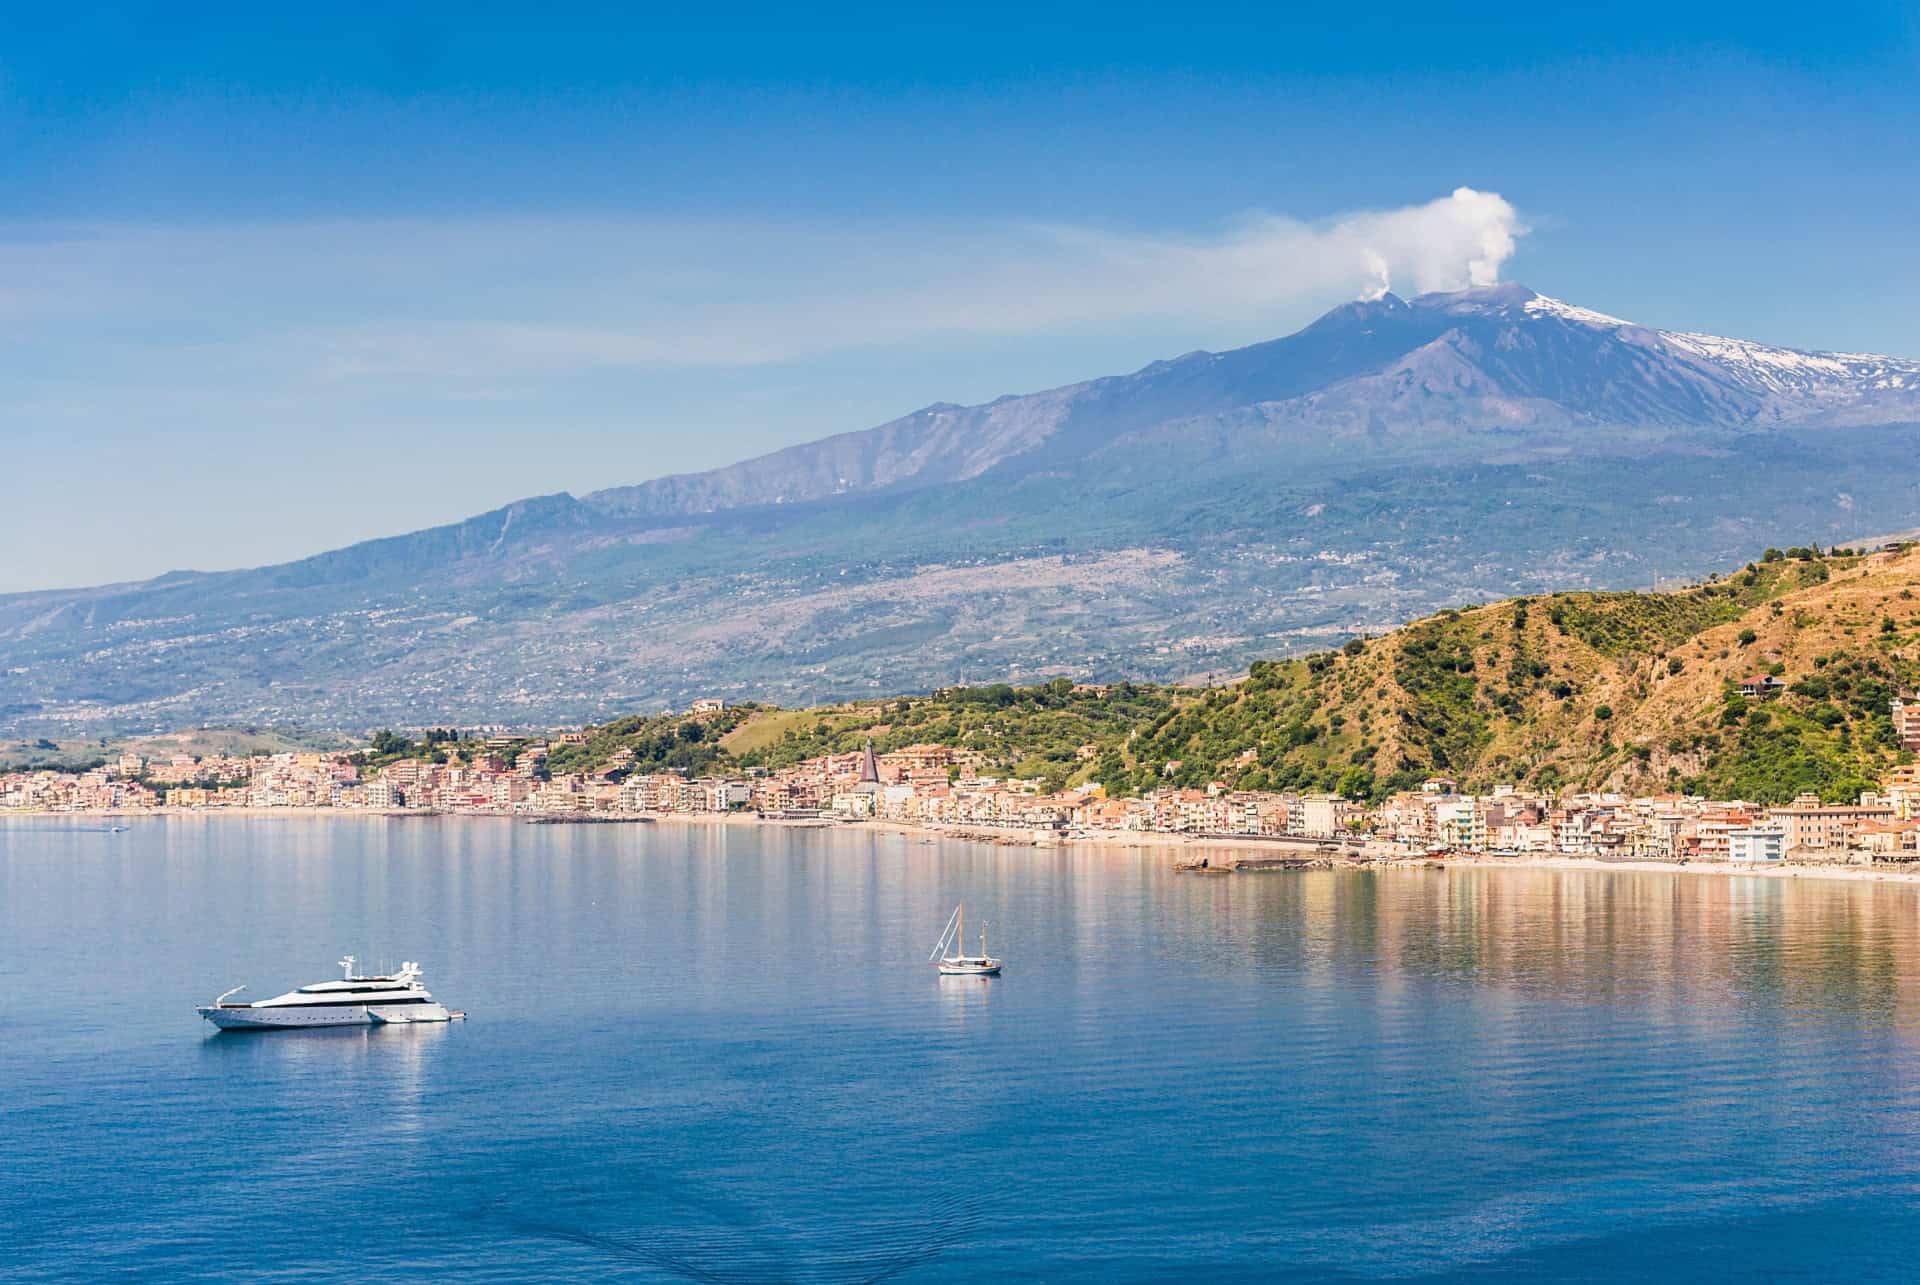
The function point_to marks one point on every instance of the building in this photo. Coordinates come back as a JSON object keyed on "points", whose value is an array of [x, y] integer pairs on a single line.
{"points": [[1900, 788], [1461, 822], [1819, 827], [1761, 686], [926, 761], [854, 807], [1706, 837], [709, 795], [1891, 840], [709, 705], [869, 782], [1756, 846], [1322, 815], [1906, 721]]}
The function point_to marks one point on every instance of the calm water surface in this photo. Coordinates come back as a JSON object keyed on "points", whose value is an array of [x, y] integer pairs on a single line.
{"points": [[718, 1055]]}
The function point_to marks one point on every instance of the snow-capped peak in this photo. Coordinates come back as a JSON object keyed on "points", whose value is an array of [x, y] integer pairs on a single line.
{"points": [[1675, 373], [1542, 305], [1789, 370]]}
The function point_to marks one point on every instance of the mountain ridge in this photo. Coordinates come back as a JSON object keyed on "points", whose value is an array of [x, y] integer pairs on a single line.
{"points": [[1391, 457], [1447, 364], [1739, 383]]}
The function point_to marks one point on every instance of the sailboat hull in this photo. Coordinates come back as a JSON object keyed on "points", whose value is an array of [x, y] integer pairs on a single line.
{"points": [[968, 968]]}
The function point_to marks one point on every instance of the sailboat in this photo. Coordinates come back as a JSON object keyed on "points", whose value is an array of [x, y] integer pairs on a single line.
{"points": [[959, 963]]}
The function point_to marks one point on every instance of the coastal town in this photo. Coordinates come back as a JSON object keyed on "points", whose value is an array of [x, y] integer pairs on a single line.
{"points": [[941, 788]]}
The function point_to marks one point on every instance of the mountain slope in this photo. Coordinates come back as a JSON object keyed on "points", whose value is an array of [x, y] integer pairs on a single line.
{"points": [[1495, 357], [1391, 458], [1630, 691], [1617, 690]]}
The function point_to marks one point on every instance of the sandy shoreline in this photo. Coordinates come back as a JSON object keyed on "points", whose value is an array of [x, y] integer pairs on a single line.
{"points": [[1171, 844]]}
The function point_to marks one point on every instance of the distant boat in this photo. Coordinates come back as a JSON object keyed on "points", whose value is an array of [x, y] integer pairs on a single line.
{"points": [[960, 964], [354, 1000]]}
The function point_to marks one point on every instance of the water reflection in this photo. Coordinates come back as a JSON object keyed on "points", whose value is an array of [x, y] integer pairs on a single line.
{"points": [[1806, 947], [964, 999], [391, 1064]]}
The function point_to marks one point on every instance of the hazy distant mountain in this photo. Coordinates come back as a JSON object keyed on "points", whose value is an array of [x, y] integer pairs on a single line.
{"points": [[1392, 457], [1501, 357]]}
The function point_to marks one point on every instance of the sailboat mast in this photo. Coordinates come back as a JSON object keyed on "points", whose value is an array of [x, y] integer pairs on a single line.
{"points": [[960, 938]]}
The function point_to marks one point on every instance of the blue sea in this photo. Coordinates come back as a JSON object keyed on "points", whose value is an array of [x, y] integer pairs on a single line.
{"points": [[717, 1054]]}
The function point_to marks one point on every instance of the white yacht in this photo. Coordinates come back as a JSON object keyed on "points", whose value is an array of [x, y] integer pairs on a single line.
{"points": [[352, 1001], [958, 963]]}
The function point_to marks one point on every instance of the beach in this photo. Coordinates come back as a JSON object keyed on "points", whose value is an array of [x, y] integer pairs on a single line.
{"points": [[1173, 845]]}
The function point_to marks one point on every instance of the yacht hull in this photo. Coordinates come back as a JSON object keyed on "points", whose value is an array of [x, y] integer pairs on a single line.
{"points": [[248, 1018], [402, 1014]]}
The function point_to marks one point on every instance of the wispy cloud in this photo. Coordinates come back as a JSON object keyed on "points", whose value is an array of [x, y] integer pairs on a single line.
{"points": [[537, 298]]}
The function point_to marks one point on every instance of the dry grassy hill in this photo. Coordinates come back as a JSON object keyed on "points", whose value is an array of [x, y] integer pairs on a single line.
{"points": [[1626, 690]]}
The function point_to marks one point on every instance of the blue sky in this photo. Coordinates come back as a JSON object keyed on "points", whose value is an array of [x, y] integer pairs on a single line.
{"points": [[270, 283]]}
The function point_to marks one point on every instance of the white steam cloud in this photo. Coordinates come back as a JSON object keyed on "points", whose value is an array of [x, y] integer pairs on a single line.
{"points": [[543, 298], [1450, 244]]}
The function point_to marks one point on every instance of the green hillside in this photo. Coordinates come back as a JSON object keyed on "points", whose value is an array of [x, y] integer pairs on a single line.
{"points": [[1630, 691]]}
